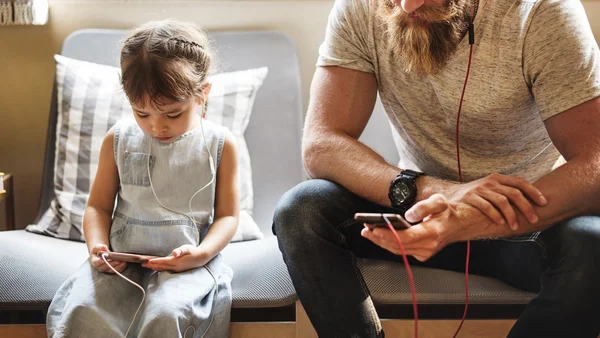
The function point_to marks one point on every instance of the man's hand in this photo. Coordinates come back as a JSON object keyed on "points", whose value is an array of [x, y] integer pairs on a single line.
{"points": [[442, 223], [495, 195], [184, 258]]}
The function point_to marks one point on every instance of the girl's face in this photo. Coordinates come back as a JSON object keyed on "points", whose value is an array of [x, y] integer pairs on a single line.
{"points": [[168, 121]]}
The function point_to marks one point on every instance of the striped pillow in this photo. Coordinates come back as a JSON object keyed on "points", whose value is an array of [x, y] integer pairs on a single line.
{"points": [[91, 100]]}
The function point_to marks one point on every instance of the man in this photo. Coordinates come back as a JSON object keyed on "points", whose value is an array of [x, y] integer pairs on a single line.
{"points": [[533, 94]]}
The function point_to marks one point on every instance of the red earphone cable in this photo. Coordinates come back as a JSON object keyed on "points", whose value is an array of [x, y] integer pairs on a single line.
{"points": [[411, 279], [458, 117], [406, 264], [389, 224], [461, 180]]}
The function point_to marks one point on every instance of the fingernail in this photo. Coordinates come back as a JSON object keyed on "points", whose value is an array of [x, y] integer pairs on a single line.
{"points": [[515, 226], [534, 219], [410, 215], [501, 221], [543, 200]]}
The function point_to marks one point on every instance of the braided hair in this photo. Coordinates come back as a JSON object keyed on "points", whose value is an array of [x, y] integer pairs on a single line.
{"points": [[165, 61]]}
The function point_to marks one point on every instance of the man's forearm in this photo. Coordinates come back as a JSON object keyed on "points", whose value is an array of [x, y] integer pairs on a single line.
{"points": [[571, 190], [350, 163]]}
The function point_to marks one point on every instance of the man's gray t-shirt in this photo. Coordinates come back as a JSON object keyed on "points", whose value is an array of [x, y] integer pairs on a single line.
{"points": [[532, 59]]}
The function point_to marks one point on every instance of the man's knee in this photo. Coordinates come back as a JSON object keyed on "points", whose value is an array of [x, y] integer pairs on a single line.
{"points": [[299, 207], [579, 249], [580, 238]]}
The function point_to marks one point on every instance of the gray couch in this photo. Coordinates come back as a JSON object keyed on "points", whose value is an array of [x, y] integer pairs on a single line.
{"points": [[32, 266]]}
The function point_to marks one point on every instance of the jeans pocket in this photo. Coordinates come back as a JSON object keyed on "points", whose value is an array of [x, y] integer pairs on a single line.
{"points": [[135, 168], [533, 237]]}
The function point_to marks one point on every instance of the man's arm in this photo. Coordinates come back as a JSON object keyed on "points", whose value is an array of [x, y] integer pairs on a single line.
{"points": [[560, 63], [573, 189], [341, 104]]}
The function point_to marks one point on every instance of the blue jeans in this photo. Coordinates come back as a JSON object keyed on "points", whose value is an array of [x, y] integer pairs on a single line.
{"points": [[320, 241]]}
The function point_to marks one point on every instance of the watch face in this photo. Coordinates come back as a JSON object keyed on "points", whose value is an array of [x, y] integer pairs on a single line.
{"points": [[401, 192]]}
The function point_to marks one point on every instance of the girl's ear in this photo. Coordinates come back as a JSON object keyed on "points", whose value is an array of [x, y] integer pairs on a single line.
{"points": [[203, 101], [205, 90]]}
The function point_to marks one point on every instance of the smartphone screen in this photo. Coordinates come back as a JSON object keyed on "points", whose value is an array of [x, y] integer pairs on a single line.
{"points": [[378, 220]]}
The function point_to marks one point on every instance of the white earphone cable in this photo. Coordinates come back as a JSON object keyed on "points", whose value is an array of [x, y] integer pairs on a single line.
{"points": [[132, 282], [194, 222]]}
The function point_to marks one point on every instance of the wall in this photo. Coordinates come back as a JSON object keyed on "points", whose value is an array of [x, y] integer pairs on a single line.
{"points": [[27, 67]]}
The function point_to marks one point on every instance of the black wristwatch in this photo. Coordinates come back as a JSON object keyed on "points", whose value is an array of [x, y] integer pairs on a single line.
{"points": [[403, 190]]}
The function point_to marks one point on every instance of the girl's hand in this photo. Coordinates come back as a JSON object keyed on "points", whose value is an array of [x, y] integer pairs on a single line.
{"points": [[100, 265], [184, 258]]}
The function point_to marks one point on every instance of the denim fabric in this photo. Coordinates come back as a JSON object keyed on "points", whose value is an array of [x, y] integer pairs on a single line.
{"points": [[186, 304], [320, 241], [135, 169], [157, 238], [94, 304]]}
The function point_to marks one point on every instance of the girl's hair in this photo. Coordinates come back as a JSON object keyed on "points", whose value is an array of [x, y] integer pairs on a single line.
{"points": [[165, 61]]}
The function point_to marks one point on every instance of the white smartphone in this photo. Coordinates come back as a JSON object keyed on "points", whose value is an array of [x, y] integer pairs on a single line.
{"points": [[126, 257]]}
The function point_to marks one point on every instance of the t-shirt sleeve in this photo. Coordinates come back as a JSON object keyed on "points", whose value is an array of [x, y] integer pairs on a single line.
{"points": [[346, 37], [561, 60]]}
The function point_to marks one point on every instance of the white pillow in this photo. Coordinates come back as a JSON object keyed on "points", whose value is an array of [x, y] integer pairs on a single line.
{"points": [[91, 100]]}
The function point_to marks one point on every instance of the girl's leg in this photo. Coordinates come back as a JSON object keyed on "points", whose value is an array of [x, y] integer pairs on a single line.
{"points": [[94, 304], [186, 305]]}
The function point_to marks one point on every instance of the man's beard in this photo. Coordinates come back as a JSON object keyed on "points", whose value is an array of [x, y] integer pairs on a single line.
{"points": [[424, 44]]}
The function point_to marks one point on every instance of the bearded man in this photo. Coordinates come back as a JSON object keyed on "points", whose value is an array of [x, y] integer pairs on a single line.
{"points": [[518, 173]]}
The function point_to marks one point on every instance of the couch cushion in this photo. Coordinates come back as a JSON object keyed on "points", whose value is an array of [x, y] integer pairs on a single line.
{"points": [[32, 268], [388, 284], [260, 277]]}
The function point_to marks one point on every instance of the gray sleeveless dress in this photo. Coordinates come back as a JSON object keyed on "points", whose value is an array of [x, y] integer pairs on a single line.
{"points": [[186, 304]]}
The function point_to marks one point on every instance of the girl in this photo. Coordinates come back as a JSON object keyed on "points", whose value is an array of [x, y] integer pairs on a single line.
{"points": [[174, 178]]}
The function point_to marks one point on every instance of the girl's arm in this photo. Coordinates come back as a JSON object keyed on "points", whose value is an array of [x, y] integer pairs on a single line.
{"points": [[227, 202], [227, 209], [98, 212]]}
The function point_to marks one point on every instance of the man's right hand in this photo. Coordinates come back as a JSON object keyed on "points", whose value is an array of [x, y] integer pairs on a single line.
{"points": [[98, 262], [496, 194]]}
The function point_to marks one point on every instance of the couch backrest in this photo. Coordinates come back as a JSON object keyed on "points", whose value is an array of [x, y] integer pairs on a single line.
{"points": [[274, 131]]}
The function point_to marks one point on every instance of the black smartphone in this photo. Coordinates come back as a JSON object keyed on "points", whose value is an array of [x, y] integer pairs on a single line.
{"points": [[373, 220]]}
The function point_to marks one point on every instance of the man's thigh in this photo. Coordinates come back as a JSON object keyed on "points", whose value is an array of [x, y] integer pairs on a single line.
{"points": [[517, 262]]}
